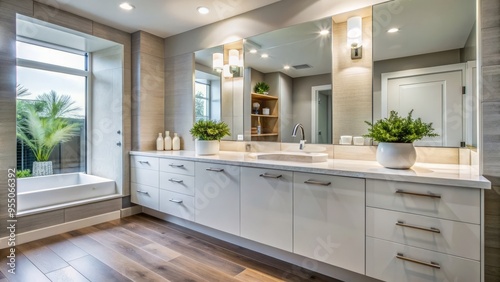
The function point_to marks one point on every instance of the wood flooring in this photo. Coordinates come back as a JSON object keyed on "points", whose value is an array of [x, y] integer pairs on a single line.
{"points": [[143, 248]]}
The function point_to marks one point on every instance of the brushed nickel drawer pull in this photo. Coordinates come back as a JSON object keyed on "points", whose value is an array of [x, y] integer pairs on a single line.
{"points": [[144, 162], [430, 195], [430, 264], [175, 180], [143, 192], [268, 175], [175, 201], [215, 169], [176, 165], [315, 182], [430, 229]]}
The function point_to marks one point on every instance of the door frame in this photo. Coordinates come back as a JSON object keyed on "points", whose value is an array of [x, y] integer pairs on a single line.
{"points": [[314, 109]]}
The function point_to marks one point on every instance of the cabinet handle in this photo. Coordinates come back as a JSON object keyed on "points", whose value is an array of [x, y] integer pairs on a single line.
{"points": [[143, 192], [175, 180], [176, 201], [176, 165], [144, 162], [430, 229], [268, 175], [315, 182], [215, 169], [430, 264], [429, 195]]}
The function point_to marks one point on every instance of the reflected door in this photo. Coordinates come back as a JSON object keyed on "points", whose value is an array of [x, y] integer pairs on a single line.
{"points": [[434, 97]]}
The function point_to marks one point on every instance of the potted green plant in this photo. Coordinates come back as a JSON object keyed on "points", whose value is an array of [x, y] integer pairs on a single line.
{"points": [[396, 135], [43, 124], [261, 88], [208, 134]]}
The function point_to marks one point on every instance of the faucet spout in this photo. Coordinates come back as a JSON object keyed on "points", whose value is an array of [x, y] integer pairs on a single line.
{"points": [[302, 143]]}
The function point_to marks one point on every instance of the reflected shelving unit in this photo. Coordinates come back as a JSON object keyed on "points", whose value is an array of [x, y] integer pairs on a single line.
{"points": [[269, 123]]}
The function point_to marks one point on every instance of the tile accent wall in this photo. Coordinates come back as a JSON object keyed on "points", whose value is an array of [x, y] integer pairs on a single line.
{"points": [[148, 84], [490, 56]]}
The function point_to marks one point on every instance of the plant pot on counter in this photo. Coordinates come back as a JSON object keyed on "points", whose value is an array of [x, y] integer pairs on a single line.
{"points": [[207, 147], [396, 155], [42, 168]]}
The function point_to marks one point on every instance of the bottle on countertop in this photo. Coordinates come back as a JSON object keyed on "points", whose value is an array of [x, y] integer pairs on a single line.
{"points": [[259, 126], [159, 142], [176, 143], [168, 141]]}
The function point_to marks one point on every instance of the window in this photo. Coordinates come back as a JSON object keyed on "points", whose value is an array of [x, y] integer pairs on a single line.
{"points": [[202, 101], [51, 106]]}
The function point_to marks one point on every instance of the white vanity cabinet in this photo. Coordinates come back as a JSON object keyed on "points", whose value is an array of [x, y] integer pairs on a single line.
{"points": [[217, 196], [266, 206], [176, 182], [144, 178], [329, 219], [421, 230]]}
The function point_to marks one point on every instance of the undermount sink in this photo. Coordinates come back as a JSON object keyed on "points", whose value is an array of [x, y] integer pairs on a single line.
{"points": [[303, 157]]}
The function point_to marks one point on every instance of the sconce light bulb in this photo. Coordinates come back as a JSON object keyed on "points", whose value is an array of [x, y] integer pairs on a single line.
{"points": [[234, 57]]}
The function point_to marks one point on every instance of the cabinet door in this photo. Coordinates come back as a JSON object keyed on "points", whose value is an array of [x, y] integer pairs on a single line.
{"points": [[217, 196], [266, 206], [329, 219]]}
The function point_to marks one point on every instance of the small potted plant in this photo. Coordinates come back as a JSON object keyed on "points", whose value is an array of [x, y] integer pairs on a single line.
{"points": [[261, 88], [208, 133], [396, 135]]}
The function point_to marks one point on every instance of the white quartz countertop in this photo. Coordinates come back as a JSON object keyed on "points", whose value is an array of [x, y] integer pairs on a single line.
{"points": [[440, 174]]}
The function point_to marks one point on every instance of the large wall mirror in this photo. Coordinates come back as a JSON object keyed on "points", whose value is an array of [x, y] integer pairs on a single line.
{"points": [[424, 54]]}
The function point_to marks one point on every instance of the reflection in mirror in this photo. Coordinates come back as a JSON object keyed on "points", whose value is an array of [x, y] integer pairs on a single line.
{"points": [[424, 63], [207, 85], [295, 63]]}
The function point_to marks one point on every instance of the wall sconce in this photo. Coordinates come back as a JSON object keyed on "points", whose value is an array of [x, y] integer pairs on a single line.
{"points": [[227, 72], [355, 36], [234, 58], [218, 62]]}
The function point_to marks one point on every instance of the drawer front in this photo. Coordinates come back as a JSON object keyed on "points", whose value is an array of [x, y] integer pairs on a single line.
{"points": [[146, 196], [429, 233], [177, 166], [144, 176], [179, 183], [446, 202], [382, 263], [144, 162], [177, 204]]}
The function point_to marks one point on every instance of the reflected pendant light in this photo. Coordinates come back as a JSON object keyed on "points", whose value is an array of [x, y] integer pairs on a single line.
{"points": [[218, 62]]}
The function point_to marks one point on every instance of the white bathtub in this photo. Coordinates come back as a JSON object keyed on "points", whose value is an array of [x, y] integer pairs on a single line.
{"points": [[34, 193]]}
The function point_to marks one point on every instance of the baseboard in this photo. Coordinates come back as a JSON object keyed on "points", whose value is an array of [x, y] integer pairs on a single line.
{"points": [[130, 211], [60, 228]]}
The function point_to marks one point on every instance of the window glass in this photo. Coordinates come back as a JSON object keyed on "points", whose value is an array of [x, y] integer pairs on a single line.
{"points": [[50, 56], [202, 101]]}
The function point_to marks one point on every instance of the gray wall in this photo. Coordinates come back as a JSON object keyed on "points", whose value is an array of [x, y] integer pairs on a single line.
{"points": [[490, 57]]}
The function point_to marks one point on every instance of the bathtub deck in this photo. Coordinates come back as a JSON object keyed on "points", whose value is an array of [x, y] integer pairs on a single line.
{"points": [[143, 248]]}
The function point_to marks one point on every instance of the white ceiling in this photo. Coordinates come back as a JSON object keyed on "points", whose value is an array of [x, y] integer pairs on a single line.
{"points": [[163, 18]]}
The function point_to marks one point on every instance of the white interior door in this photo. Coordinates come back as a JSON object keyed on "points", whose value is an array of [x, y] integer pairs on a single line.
{"points": [[434, 97]]}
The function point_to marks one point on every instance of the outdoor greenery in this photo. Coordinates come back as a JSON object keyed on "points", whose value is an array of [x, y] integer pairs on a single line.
{"points": [[23, 173], [209, 130], [261, 87], [43, 123], [396, 129]]}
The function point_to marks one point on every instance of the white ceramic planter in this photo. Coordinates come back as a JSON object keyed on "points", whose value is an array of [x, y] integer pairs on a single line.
{"points": [[396, 155], [42, 168], [204, 147]]}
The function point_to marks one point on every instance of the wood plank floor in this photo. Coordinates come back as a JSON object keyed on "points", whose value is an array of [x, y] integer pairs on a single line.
{"points": [[143, 248]]}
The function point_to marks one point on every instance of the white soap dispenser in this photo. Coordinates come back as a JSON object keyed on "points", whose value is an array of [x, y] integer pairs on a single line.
{"points": [[176, 143], [159, 142], [168, 141]]}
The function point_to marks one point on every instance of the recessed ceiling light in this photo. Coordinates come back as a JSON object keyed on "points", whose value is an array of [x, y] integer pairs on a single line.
{"points": [[287, 67], [264, 56], [253, 51], [203, 10], [324, 32], [126, 6], [392, 30]]}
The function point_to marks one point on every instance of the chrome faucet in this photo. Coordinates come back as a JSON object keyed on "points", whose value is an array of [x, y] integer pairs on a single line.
{"points": [[302, 143]]}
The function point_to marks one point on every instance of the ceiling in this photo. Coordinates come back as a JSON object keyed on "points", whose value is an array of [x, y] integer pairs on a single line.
{"points": [[162, 18]]}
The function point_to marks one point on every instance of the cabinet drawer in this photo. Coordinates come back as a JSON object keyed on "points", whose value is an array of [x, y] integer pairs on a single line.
{"points": [[144, 176], [382, 263], [425, 232], [177, 166], [179, 183], [446, 202], [144, 162], [146, 196], [177, 204]]}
